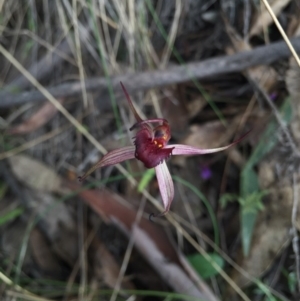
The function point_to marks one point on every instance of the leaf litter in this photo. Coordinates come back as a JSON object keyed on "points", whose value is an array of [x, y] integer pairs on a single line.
{"points": [[52, 237]]}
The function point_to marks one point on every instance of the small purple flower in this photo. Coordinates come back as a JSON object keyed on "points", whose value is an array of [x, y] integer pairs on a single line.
{"points": [[151, 147], [273, 95], [205, 172]]}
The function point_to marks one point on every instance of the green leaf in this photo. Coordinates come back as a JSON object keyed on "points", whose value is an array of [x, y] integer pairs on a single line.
{"points": [[3, 189], [251, 196], [262, 288], [226, 198], [203, 267], [247, 226], [292, 282], [147, 177], [249, 182], [269, 137], [11, 215]]}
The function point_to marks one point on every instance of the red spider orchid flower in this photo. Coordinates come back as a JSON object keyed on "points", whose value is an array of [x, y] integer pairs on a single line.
{"points": [[151, 147]]}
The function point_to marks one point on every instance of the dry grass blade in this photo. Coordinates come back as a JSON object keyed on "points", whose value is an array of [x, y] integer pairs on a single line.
{"points": [[32, 143], [173, 34], [79, 53], [287, 40], [19, 291], [264, 19]]}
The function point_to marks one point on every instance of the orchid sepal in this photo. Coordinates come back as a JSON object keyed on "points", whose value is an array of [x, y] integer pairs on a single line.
{"points": [[135, 113], [111, 158]]}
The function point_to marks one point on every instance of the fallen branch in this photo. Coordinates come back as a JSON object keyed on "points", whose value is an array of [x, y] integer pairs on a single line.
{"points": [[262, 55]]}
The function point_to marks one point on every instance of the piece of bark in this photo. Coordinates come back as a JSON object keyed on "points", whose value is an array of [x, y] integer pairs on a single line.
{"points": [[262, 55]]}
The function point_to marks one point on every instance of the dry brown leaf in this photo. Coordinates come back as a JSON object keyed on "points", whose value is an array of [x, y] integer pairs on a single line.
{"points": [[45, 113], [149, 239], [195, 106], [265, 76], [106, 268], [209, 135], [57, 222], [264, 18], [35, 174], [42, 254], [293, 28], [11, 241]]}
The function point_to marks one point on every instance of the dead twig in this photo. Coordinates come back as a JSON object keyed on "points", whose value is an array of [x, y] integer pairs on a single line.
{"points": [[146, 80]]}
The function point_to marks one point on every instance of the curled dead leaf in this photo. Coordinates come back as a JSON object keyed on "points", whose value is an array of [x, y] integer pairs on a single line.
{"points": [[263, 18], [39, 118]]}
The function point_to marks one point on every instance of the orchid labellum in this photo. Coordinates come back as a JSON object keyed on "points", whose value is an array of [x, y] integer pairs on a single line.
{"points": [[151, 147]]}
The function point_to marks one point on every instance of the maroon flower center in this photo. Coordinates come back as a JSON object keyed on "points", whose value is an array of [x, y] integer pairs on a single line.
{"points": [[150, 145]]}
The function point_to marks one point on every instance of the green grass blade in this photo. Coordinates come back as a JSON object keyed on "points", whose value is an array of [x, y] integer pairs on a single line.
{"points": [[11, 215], [206, 203], [146, 179]]}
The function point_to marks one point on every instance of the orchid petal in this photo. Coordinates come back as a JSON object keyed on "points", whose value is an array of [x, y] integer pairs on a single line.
{"points": [[182, 149], [111, 158], [166, 185]]}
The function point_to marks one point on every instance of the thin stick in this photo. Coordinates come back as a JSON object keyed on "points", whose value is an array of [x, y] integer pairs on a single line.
{"points": [[287, 40], [140, 81]]}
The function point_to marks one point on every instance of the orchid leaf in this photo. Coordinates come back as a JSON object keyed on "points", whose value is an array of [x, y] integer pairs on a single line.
{"points": [[247, 226], [251, 196], [292, 282], [203, 267]]}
